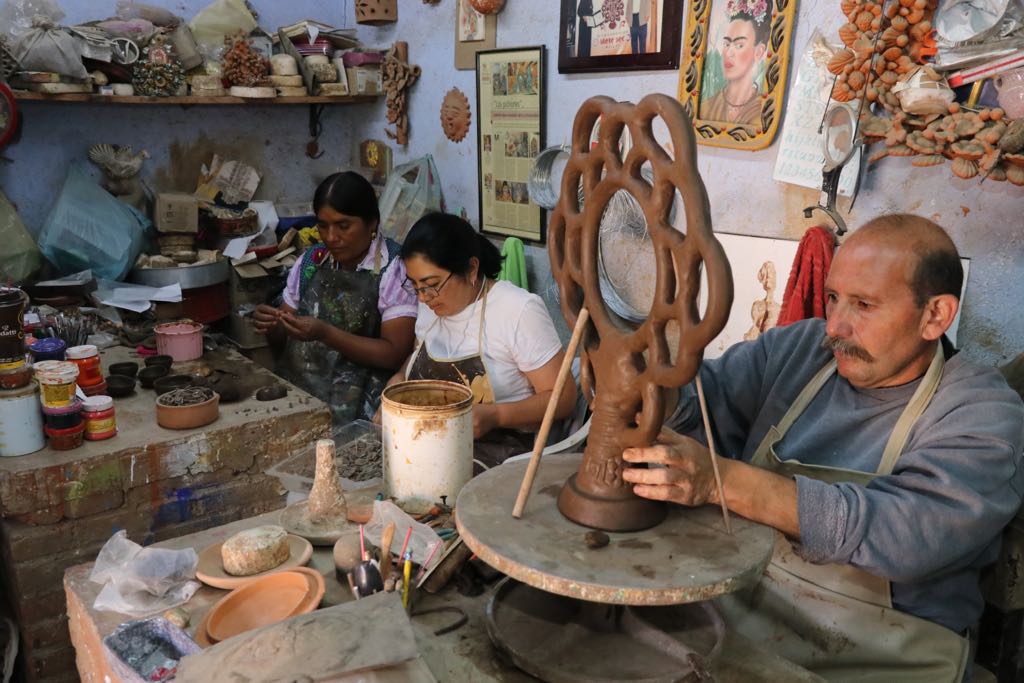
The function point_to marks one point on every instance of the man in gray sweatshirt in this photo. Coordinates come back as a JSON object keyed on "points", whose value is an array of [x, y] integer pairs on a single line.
{"points": [[890, 463]]}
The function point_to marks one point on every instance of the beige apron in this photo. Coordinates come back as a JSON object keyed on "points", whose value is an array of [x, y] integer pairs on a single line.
{"points": [[838, 620]]}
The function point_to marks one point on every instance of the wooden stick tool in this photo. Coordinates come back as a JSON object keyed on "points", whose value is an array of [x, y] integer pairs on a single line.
{"points": [[711, 452], [549, 413]]}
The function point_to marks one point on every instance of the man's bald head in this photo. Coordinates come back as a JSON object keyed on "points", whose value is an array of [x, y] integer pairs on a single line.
{"points": [[936, 267]]}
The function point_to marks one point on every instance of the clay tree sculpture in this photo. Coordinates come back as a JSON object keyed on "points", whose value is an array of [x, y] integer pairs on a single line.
{"points": [[326, 505], [625, 367]]}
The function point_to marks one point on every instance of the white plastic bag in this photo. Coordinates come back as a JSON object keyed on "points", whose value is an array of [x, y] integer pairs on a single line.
{"points": [[16, 16], [47, 47], [218, 19], [141, 580], [129, 9], [414, 189], [423, 538]]}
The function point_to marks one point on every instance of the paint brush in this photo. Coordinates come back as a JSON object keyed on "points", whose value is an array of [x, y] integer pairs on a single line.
{"points": [[711, 452], [426, 565], [405, 543]]}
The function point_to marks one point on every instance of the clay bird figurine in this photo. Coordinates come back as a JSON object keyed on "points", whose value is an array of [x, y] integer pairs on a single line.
{"points": [[121, 166]]}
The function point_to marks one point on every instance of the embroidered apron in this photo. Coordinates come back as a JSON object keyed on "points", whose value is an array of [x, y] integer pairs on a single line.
{"points": [[838, 620], [348, 300], [498, 444]]}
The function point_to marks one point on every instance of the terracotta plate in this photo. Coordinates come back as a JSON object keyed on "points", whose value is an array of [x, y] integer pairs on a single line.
{"points": [[210, 569]]}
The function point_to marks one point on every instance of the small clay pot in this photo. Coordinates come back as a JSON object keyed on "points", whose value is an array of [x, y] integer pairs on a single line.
{"points": [[163, 360], [119, 386], [171, 382], [128, 369], [187, 417], [152, 373], [271, 393], [227, 388]]}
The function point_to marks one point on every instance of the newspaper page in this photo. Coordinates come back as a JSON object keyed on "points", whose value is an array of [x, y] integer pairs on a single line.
{"points": [[510, 138]]}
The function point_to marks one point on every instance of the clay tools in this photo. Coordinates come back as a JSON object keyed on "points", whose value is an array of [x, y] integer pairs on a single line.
{"points": [[385, 551], [711, 452], [406, 585]]}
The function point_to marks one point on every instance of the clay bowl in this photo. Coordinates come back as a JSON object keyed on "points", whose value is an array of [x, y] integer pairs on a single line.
{"points": [[162, 385], [260, 603], [151, 373], [119, 386], [227, 388], [127, 369], [187, 417], [163, 360]]}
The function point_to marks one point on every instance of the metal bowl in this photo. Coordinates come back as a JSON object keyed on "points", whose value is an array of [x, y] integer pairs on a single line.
{"points": [[189, 277]]}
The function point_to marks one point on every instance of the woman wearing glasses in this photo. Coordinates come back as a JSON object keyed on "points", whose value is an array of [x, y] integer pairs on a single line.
{"points": [[345, 320], [492, 336]]}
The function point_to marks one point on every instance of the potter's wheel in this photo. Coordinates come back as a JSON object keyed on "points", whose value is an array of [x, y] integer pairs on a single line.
{"points": [[687, 558]]}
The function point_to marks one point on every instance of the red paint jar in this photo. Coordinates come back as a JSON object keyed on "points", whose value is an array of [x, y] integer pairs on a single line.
{"points": [[87, 358], [98, 413], [65, 439], [66, 417]]}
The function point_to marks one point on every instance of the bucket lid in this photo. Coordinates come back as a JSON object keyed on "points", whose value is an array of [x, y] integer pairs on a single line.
{"points": [[83, 351], [31, 389], [11, 295], [71, 408], [96, 404], [47, 345]]}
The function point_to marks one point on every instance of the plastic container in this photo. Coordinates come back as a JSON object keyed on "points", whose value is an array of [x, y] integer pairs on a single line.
{"points": [[15, 378], [100, 421], [68, 417], [352, 440], [66, 439], [422, 464], [48, 348], [12, 326], [87, 358], [21, 422], [56, 382], [181, 341]]}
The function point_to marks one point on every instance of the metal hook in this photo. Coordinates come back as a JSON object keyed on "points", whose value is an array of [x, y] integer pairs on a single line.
{"points": [[316, 127]]}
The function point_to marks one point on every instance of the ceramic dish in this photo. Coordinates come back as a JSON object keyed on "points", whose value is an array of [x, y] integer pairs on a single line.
{"points": [[210, 569], [128, 369], [293, 519], [162, 359], [119, 386], [264, 601], [187, 417], [151, 373]]}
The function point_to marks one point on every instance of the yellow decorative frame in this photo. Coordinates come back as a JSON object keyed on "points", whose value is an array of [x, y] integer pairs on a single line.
{"points": [[718, 133]]}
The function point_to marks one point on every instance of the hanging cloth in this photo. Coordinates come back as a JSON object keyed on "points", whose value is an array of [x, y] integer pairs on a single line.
{"points": [[513, 264], [805, 291]]}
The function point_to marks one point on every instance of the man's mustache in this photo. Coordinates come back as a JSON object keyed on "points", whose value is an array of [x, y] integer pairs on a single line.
{"points": [[843, 347]]}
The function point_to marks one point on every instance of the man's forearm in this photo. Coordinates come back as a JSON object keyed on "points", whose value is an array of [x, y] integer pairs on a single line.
{"points": [[761, 496]]}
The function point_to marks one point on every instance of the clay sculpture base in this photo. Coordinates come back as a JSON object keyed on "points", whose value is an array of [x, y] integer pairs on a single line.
{"points": [[625, 513]]}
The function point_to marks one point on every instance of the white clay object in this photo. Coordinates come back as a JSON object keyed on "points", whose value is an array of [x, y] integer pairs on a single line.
{"points": [[255, 550], [283, 65]]}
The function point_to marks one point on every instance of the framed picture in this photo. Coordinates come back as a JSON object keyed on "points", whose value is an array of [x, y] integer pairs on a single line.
{"points": [[619, 35], [735, 61], [510, 96], [471, 23]]}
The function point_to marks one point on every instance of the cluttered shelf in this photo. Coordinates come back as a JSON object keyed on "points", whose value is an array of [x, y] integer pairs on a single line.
{"points": [[189, 100]]}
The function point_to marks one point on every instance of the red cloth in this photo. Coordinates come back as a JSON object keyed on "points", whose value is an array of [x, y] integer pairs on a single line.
{"points": [[805, 291]]}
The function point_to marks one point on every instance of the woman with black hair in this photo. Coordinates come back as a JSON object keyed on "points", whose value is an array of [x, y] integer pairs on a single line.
{"points": [[497, 339], [345, 319]]}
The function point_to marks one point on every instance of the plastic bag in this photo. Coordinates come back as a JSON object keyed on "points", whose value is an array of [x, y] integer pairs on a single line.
{"points": [[423, 538], [89, 228], [142, 580], [16, 16], [414, 189], [45, 47], [137, 30], [129, 9], [218, 19], [20, 257]]}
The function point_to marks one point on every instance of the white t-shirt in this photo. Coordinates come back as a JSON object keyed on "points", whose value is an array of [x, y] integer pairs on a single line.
{"points": [[519, 337]]}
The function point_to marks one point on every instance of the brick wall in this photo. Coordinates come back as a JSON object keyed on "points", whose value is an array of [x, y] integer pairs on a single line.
{"points": [[59, 516]]}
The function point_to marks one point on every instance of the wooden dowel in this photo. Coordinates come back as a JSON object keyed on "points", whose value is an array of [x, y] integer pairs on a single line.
{"points": [[549, 413], [711, 451]]}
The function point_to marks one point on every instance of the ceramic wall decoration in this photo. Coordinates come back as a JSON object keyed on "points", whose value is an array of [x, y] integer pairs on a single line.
{"points": [[487, 6], [244, 66], [376, 12], [158, 73], [398, 76], [455, 115]]}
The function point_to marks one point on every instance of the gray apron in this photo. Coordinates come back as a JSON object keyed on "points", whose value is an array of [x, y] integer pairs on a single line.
{"points": [[348, 300], [470, 370], [837, 620]]}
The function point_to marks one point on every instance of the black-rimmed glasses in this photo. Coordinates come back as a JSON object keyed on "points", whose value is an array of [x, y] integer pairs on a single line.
{"points": [[427, 293]]}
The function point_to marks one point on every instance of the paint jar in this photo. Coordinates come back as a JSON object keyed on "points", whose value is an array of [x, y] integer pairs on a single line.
{"points": [[48, 348], [56, 382], [427, 441], [15, 378], [181, 340], [12, 327], [65, 439], [68, 417], [95, 389], [87, 358], [98, 413], [21, 422]]}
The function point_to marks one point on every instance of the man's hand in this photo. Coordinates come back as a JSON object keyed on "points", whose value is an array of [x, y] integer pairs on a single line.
{"points": [[485, 418], [302, 327], [265, 318], [686, 478]]}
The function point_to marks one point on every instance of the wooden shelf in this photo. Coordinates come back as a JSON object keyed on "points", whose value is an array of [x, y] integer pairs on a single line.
{"points": [[27, 96]]}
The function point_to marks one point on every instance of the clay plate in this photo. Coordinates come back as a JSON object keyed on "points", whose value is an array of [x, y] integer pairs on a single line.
{"points": [[267, 600], [210, 569], [293, 522]]}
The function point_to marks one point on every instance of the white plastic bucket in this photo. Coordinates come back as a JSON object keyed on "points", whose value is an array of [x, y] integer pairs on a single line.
{"points": [[428, 441], [21, 421]]}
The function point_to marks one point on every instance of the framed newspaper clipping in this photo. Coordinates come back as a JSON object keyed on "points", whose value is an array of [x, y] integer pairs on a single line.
{"points": [[510, 94]]}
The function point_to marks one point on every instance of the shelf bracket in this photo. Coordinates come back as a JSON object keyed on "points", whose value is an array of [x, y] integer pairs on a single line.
{"points": [[316, 127]]}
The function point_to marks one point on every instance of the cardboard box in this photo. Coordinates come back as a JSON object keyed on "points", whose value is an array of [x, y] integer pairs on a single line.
{"points": [[176, 212], [363, 80]]}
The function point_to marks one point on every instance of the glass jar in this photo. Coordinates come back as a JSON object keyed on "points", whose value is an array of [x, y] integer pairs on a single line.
{"points": [[87, 358]]}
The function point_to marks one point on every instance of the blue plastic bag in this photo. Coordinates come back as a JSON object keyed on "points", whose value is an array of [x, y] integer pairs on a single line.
{"points": [[90, 229]]}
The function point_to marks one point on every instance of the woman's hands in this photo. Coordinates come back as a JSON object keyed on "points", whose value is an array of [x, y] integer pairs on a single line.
{"points": [[302, 327]]}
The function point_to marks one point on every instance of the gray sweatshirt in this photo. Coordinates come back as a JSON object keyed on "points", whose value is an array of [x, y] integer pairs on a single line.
{"points": [[931, 525]]}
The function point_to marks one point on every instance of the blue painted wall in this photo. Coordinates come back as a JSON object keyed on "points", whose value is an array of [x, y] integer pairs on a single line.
{"points": [[985, 220]]}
